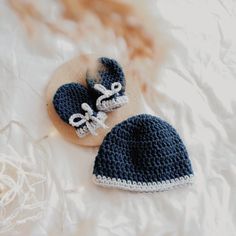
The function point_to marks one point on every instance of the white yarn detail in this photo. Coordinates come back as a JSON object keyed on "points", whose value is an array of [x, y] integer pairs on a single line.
{"points": [[91, 122], [142, 187], [19, 202], [110, 105]]}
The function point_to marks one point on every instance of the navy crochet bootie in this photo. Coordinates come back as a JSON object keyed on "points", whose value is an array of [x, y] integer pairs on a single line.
{"points": [[108, 85], [75, 106], [143, 153]]}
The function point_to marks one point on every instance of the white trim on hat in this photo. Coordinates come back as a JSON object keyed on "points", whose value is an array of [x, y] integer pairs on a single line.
{"points": [[142, 187]]}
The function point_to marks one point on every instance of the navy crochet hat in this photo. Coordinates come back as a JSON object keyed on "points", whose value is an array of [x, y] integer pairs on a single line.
{"points": [[75, 107], [108, 85], [143, 153]]}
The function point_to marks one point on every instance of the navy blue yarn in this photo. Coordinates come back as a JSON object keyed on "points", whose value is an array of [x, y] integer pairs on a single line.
{"points": [[69, 98], [143, 148], [109, 71]]}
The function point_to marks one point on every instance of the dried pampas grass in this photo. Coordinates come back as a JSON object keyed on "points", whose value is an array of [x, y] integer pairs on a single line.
{"points": [[124, 27]]}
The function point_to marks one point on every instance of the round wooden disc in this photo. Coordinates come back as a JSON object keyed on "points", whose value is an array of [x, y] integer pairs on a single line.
{"points": [[75, 71]]}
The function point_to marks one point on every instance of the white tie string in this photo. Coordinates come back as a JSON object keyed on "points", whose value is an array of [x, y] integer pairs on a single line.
{"points": [[87, 118], [115, 89]]}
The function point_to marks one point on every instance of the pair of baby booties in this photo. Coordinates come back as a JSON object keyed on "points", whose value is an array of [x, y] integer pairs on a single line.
{"points": [[143, 153], [86, 108]]}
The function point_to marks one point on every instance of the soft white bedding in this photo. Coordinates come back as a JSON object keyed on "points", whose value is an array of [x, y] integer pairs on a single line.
{"points": [[194, 91]]}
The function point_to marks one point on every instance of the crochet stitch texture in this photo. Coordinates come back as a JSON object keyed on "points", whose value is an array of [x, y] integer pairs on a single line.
{"points": [[76, 107], [108, 85], [109, 71], [143, 153], [68, 99]]}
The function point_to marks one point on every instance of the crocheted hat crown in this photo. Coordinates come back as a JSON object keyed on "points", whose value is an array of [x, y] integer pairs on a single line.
{"points": [[72, 102], [108, 85], [143, 153]]}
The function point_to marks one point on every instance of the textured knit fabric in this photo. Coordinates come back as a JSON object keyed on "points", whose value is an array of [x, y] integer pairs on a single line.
{"points": [[109, 73], [68, 102], [143, 153], [68, 99]]}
